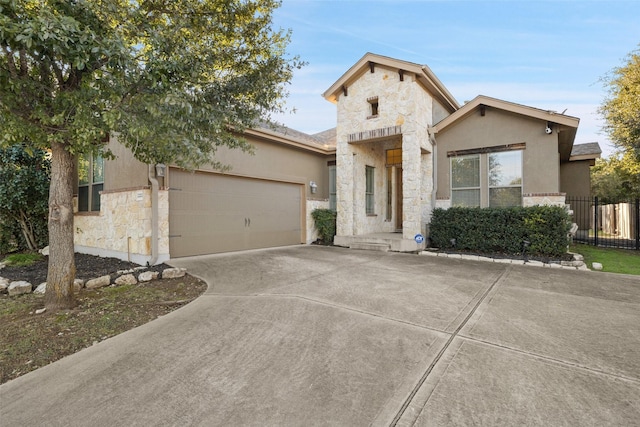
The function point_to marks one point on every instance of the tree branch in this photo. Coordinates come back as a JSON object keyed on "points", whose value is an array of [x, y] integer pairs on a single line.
{"points": [[11, 64], [24, 66]]}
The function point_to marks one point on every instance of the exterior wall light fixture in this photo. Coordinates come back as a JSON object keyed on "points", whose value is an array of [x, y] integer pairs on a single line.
{"points": [[313, 186]]}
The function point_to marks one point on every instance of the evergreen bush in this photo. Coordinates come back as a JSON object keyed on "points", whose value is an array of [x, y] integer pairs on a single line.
{"points": [[541, 230], [325, 221]]}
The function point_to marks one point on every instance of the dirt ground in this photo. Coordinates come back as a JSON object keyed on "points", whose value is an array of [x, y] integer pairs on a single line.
{"points": [[31, 340]]}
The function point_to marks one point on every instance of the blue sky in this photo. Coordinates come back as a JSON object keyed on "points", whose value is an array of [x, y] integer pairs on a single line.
{"points": [[546, 54]]}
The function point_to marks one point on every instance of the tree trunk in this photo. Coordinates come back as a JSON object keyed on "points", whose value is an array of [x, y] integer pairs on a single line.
{"points": [[62, 267]]}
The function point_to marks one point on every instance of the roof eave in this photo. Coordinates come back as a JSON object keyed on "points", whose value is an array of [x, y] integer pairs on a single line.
{"points": [[469, 107], [272, 136]]}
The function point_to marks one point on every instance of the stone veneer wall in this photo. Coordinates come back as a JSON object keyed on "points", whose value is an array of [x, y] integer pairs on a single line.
{"points": [[313, 204], [401, 103], [122, 229], [544, 199]]}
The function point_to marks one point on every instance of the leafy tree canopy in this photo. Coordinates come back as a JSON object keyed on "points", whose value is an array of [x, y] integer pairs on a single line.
{"points": [[170, 76], [175, 78], [616, 178], [621, 108]]}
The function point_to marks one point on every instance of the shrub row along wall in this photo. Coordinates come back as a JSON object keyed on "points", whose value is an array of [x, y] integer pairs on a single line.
{"points": [[502, 230]]}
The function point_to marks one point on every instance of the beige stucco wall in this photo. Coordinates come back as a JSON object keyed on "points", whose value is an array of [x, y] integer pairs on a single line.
{"points": [[541, 161], [575, 178], [124, 171], [401, 103], [122, 229], [280, 163]]}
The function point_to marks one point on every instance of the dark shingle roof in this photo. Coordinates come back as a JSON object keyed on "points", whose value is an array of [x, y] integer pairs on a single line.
{"points": [[327, 137], [590, 148]]}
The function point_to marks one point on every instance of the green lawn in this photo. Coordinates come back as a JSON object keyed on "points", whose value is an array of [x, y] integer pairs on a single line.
{"points": [[622, 261]]}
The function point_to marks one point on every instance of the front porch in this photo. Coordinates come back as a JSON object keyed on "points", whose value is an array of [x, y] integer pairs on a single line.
{"points": [[383, 242]]}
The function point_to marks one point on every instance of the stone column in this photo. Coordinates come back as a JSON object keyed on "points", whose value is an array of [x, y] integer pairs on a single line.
{"points": [[411, 185], [344, 189]]}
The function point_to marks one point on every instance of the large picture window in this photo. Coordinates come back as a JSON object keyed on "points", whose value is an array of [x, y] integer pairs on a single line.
{"points": [[369, 194], [90, 182], [465, 181], [492, 179], [505, 179]]}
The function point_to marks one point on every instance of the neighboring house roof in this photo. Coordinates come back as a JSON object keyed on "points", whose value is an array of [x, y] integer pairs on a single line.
{"points": [[423, 74], [565, 125], [588, 151]]}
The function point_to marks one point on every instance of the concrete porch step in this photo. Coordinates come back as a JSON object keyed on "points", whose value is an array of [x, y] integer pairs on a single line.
{"points": [[369, 246]]}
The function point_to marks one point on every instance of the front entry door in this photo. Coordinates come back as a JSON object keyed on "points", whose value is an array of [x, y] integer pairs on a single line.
{"points": [[399, 215]]}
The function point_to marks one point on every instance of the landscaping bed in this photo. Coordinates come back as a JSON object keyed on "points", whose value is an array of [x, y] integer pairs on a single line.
{"points": [[31, 340]]}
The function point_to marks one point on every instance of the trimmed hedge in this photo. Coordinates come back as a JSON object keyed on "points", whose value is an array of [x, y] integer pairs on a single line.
{"points": [[325, 220], [502, 230]]}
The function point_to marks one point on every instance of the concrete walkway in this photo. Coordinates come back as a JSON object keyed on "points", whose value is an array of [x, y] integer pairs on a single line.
{"points": [[327, 336]]}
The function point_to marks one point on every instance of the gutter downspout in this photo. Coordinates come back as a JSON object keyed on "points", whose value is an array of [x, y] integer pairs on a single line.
{"points": [[154, 216]]}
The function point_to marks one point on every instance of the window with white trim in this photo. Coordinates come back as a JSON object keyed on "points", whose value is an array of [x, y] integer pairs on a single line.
{"points": [[465, 181], [492, 179], [505, 179], [90, 182]]}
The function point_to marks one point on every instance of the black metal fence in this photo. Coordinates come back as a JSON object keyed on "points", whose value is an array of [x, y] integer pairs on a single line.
{"points": [[614, 225]]}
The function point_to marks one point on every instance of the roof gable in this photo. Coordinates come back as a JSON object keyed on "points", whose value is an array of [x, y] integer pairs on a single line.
{"points": [[481, 100], [565, 126], [423, 74]]}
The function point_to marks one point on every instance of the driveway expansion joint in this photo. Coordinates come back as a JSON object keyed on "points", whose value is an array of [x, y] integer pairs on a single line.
{"points": [[453, 335], [552, 360]]}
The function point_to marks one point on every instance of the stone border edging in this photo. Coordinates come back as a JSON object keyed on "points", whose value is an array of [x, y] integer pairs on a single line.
{"points": [[577, 263]]}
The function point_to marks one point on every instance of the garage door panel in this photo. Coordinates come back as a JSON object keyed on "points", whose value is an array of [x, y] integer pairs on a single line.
{"points": [[212, 213]]}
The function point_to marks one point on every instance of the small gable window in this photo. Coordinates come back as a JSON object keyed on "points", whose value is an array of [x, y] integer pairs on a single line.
{"points": [[373, 107]]}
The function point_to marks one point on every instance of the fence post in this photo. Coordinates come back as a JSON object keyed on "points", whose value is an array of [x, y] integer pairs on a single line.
{"points": [[637, 224], [595, 221]]}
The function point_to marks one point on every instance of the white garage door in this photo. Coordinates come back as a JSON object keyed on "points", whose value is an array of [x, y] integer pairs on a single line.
{"points": [[212, 213]]}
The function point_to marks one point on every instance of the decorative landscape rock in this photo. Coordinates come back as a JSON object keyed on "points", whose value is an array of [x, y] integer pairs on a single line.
{"points": [[597, 266], [99, 282], [4, 285], [173, 273], [41, 289], [44, 251], [148, 276], [127, 279], [20, 287], [77, 285]]}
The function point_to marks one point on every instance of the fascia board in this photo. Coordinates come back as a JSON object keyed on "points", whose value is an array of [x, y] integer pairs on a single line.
{"points": [[561, 119], [271, 136]]}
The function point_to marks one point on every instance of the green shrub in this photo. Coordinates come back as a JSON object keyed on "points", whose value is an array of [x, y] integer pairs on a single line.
{"points": [[22, 260], [24, 195], [325, 221], [502, 230]]}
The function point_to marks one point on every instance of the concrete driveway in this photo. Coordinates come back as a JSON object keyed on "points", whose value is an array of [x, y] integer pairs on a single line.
{"points": [[328, 336]]}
